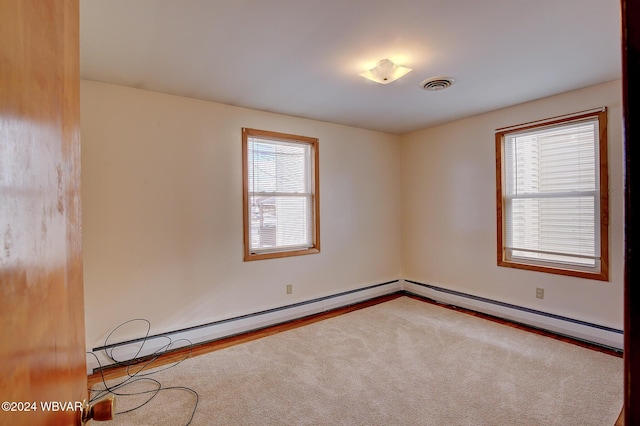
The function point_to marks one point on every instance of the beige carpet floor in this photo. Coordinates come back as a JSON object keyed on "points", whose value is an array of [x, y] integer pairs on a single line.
{"points": [[402, 362]]}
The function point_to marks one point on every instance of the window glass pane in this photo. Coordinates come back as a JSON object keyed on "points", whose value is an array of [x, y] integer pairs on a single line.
{"points": [[278, 167], [281, 221], [560, 225], [558, 159]]}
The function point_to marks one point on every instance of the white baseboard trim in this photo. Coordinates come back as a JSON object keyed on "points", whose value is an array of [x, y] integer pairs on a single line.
{"points": [[582, 330], [130, 349]]}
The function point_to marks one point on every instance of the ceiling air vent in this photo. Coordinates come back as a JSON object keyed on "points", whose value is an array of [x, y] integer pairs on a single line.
{"points": [[437, 83]]}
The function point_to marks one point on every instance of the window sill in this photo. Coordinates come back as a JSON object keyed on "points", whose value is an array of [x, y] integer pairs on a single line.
{"points": [[601, 275], [278, 254]]}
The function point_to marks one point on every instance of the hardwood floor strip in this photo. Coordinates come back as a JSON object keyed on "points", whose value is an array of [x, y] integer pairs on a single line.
{"points": [[620, 421]]}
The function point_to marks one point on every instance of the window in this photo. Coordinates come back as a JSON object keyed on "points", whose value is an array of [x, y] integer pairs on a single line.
{"points": [[552, 195], [281, 206]]}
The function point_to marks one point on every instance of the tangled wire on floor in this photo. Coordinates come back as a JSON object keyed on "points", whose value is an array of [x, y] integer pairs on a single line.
{"points": [[140, 375]]}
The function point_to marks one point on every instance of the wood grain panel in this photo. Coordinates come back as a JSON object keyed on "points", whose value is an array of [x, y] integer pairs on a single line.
{"points": [[42, 350]]}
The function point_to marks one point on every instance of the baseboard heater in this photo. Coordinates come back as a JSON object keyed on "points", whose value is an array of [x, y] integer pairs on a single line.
{"points": [[577, 329], [129, 349], [593, 333]]}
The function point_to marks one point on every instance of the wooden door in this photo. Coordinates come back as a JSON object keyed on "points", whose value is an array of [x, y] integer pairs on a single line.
{"points": [[42, 349], [631, 106]]}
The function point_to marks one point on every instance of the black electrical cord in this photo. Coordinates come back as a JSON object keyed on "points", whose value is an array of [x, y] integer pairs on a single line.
{"points": [[137, 376]]}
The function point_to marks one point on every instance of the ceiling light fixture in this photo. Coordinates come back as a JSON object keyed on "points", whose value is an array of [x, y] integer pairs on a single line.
{"points": [[385, 72]]}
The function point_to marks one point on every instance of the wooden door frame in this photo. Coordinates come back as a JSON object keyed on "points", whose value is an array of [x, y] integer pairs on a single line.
{"points": [[631, 105]]}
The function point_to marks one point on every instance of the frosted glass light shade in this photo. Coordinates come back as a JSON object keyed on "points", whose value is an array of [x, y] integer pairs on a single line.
{"points": [[385, 72]]}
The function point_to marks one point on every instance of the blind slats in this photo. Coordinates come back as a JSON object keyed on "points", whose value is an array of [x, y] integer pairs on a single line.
{"points": [[551, 193], [280, 195]]}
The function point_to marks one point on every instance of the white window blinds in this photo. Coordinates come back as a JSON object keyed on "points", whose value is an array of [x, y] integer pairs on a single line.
{"points": [[280, 192], [551, 194]]}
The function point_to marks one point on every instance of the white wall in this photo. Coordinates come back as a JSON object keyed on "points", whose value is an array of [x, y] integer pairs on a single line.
{"points": [[449, 211], [162, 212]]}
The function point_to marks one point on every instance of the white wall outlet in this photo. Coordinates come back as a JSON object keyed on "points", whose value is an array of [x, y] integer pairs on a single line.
{"points": [[540, 293], [289, 288]]}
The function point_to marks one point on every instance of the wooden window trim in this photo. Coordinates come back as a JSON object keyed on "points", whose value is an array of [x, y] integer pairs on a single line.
{"points": [[603, 274], [313, 142]]}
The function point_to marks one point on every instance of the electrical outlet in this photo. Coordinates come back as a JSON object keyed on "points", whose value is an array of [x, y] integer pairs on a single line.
{"points": [[540, 293], [289, 288]]}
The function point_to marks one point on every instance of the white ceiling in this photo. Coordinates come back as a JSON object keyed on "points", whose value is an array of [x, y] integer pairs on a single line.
{"points": [[303, 57]]}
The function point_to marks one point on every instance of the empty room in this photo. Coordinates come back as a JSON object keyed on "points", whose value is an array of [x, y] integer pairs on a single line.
{"points": [[350, 213]]}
